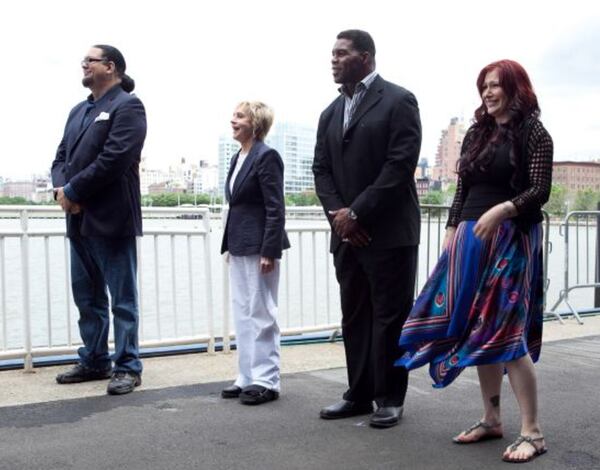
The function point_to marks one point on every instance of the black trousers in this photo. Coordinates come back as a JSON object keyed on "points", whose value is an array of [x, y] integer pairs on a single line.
{"points": [[377, 292]]}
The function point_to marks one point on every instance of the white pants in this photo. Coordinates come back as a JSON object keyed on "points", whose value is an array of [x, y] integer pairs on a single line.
{"points": [[254, 305]]}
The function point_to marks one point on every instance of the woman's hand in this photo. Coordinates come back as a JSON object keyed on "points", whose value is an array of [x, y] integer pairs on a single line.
{"points": [[488, 223], [450, 232], [266, 264]]}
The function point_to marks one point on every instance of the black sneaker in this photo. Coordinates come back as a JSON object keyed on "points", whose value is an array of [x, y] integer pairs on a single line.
{"points": [[123, 382], [81, 373]]}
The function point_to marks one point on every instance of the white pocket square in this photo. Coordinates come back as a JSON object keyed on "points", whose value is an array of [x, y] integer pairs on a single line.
{"points": [[103, 116]]}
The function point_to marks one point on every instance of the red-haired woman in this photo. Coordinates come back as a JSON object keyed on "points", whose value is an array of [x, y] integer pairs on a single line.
{"points": [[482, 305]]}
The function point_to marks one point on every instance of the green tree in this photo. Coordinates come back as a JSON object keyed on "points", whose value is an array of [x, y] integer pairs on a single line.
{"points": [[435, 198], [556, 203], [449, 193], [164, 200], [307, 198], [432, 197], [173, 199], [586, 200], [14, 201]]}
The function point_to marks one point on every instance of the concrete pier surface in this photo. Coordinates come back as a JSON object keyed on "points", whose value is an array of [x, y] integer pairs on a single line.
{"points": [[177, 419]]}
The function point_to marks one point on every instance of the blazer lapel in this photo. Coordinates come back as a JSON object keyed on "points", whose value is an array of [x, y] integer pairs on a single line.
{"points": [[91, 117], [94, 113], [243, 173], [229, 174], [75, 130], [338, 120], [371, 98]]}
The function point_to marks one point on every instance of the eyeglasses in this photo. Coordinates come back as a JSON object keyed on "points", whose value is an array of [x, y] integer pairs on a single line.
{"points": [[89, 60]]}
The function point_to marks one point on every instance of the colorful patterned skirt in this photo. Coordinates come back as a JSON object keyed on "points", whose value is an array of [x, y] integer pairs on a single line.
{"points": [[483, 304]]}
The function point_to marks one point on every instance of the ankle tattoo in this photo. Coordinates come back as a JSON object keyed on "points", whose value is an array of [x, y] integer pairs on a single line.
{"points": [[495, 401]]}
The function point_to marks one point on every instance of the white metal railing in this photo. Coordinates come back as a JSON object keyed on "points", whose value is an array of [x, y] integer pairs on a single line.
{"points": [[178, 282], [42, 305], [182, 284]]}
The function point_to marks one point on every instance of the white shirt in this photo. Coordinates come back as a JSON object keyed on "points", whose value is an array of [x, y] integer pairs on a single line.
{"points": [[240, 161]]}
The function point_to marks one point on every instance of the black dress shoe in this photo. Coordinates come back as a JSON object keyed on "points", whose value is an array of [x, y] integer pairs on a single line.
{"points": [[257, 395], [346, 409], [386, 416], [123, 382], [81, 373], [233, 391]]}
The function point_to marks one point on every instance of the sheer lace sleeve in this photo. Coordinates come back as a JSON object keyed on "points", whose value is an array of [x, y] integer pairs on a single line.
{"points": [[539, 170], [457, 204]]}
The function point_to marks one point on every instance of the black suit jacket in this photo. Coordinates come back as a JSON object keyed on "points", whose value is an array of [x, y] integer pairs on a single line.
{"points": [[101, 163], [256, 218], [371, 166]]}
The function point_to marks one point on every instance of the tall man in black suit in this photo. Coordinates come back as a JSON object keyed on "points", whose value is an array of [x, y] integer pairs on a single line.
{"points": [[96, 179], [367, 149]]}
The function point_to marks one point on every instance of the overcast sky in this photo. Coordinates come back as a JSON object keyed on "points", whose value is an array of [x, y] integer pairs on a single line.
{"points": [[193, 61]]}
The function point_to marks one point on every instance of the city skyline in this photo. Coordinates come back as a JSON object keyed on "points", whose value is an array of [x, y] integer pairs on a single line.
{"points": [[204, 61]]}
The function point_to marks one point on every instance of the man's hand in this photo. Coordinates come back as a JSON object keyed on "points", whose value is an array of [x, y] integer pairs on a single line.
{"points": [[349, 229], [67, 205], [266, 265]]}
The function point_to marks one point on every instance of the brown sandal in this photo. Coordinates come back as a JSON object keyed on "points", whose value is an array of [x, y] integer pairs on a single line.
{"points": [[530, 440], [484, 437]]}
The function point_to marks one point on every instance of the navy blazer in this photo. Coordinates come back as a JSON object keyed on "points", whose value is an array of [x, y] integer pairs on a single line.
{"points": [[256, 218], [100, 162], [370, 167]]}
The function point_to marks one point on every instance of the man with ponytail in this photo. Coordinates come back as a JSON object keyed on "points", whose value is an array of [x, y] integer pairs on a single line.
{"points": [[96, 179]]}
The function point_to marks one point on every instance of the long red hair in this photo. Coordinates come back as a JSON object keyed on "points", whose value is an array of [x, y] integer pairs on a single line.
{"points": [[517, 87], [483, 134]]}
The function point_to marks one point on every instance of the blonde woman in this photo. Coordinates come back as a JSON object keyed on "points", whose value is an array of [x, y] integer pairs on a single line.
{"points": [[254, 238]]}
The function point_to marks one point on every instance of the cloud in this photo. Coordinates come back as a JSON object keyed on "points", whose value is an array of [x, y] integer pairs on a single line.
{"points": [[574, 60]]}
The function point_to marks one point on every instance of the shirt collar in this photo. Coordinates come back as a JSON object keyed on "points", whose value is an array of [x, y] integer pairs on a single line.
{"points": [[364, 83], [105, 97]]}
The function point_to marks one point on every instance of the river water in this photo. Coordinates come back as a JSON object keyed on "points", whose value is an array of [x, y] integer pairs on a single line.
{"points": [[176, 287]]}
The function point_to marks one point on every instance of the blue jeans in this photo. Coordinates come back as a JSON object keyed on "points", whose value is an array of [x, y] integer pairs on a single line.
{"points": [[98, 263]]}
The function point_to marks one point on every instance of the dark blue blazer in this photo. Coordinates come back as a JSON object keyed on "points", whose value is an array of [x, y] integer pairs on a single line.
{"points": [[256, 218], [371, 167], [100, 161]]}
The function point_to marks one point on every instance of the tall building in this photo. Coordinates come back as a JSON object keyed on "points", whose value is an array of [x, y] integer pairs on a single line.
{"points": [[448, 151], [206, 178], [294, 142], [150, 177], [38, 189], [227, 148], [296, 145], [575, 176]]}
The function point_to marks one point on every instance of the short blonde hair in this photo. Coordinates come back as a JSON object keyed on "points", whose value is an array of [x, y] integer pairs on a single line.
{"points": [[261, 116]]}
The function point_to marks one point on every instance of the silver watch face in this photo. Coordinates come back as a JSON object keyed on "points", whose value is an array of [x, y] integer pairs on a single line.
{"points": [[352, 214]]}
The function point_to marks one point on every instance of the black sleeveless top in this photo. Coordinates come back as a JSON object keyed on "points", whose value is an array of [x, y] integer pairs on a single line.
{"points": [[532, 179], [487, 187]]}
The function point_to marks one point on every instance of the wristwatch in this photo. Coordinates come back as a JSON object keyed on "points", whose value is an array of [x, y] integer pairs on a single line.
{"points": [[352, 215]]}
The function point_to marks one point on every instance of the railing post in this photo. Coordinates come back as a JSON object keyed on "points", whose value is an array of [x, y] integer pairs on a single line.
{"points": [[208, 270], [597, 258], [566, 258], [4, 343], [225, 284], [28, 360], [546, 254]]}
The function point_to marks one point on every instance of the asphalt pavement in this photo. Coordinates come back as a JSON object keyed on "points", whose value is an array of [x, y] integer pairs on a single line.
{"points": [[191, 427]]}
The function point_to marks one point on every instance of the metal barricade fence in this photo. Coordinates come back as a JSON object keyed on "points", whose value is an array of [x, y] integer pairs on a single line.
{"points": [[579, 231]]}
